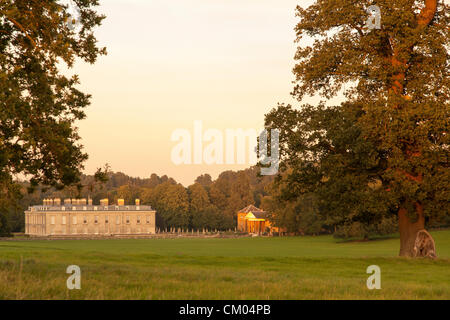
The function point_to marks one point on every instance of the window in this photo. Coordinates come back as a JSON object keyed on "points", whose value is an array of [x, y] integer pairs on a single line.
{"points": [[148, 219], [52, 220], [63, 220], [84, 219], [74, 219], [117, 219], [128, 219], [96, 219], [106, 219], [138, 219]]}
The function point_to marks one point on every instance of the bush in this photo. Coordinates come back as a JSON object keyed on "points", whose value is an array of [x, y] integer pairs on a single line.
{"points": [[443, 222], [5, 230], [358, 229]]}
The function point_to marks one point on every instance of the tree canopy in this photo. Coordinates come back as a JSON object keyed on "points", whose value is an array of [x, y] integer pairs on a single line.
{"points": [[385, 150], [39, 104]]}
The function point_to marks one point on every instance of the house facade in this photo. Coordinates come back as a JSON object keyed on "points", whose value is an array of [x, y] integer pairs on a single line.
{"points": [[78, 217], [253, 220]]}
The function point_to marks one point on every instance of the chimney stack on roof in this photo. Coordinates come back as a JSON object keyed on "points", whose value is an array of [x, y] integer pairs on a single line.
{"points": [[104, 202], [138, 202]]}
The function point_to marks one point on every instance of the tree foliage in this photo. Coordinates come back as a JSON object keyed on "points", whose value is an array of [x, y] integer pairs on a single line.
{"points": [[39, 104], [385, 150]]}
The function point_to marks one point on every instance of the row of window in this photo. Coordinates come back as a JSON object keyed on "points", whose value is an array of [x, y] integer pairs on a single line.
{"points": [[84, 230], [96, 219], [35, 219], [85, 208]]}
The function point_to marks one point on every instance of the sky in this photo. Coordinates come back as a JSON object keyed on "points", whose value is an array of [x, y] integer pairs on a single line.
{"points": [[170, 63]]}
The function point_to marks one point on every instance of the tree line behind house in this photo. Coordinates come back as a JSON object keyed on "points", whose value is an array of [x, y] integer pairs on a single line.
{"points": [[206, 204]]}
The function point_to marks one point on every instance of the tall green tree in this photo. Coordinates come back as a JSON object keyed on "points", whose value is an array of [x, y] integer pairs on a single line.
{"points": [[39, 104], [129, 193], [298, 214], [198, 199], [386, 149], [171, 201], [203, 213], [236, 188], [204, 179]]}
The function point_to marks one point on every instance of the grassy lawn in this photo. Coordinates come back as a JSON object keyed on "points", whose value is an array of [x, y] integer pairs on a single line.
{"points": [[246, 268]]}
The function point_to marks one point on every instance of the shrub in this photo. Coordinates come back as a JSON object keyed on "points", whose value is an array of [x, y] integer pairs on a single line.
{"points": [[358, 229]]}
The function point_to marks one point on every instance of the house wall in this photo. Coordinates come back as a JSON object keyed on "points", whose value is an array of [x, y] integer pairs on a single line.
{"points": [[89, 222], [242, 224]]}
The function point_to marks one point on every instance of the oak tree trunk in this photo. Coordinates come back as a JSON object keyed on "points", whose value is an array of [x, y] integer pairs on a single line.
{"points": [[409, 228]]}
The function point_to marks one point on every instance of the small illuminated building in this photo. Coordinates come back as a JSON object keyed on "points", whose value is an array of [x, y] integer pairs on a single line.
{"points": [[252, 220]]}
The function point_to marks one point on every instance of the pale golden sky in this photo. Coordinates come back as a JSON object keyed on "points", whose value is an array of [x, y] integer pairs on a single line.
{"points": [[169, 63]]}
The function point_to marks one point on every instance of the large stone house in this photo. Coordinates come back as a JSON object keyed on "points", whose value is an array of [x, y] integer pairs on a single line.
{"points": [[78, 217]]}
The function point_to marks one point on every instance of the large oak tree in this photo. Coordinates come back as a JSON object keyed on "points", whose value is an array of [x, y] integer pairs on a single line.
{"points": [[385, 150], [39, 104]]}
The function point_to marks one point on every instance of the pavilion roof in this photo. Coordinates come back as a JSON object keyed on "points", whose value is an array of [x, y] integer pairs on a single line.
{"points": [[251, 208]]}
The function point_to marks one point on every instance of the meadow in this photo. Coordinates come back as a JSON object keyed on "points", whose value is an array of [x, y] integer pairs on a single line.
{"points": [[244, 268]]}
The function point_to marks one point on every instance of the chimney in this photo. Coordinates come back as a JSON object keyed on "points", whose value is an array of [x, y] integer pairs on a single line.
{"points": [[57, 201], [44, 202], [104, 202], [74, 201], [67, 201], [138, 202], [82, 201], [120, 202], [90, 202]]}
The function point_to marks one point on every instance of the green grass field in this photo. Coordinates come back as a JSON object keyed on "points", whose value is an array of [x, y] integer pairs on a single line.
{"points": [[245, 268]]}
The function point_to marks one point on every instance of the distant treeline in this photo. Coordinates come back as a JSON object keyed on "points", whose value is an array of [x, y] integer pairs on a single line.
{"points": [[204, 204], [211, 204]]}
